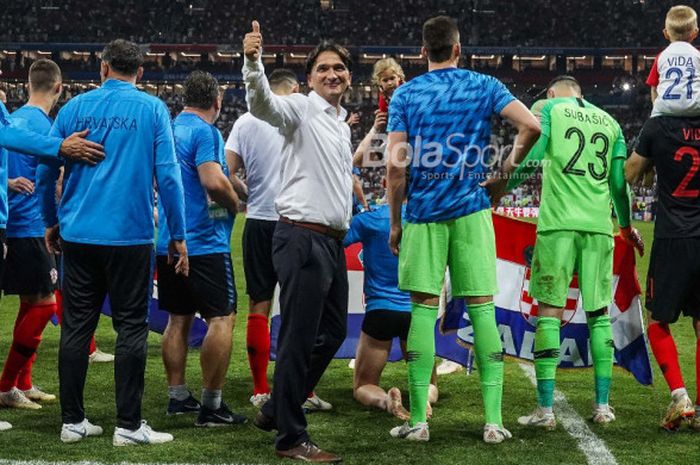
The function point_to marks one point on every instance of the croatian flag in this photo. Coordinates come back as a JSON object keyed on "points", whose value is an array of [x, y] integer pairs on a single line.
{"points": [[516, 310]]}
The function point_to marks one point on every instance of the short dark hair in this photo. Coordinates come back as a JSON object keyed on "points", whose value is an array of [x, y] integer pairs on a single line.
{"points": [[201, 90], [44, 74], [565, 79], [328, 46], [439, 35], [123, 56], [281, 76]]}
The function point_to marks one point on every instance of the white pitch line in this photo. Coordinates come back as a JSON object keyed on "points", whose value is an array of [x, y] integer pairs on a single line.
{"points": [[90, 462], [595, 450]]}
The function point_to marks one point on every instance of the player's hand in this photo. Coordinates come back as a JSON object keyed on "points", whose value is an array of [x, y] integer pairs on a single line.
{"points": [[179, 248], [52, 239], [380, 118], [631, 236], [395, 238], [496, 188], [252, 43], [20, 185], [353, 119], [76, 147]]}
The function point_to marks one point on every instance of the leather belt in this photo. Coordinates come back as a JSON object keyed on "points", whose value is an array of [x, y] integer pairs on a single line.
{"points": [[336, 234]]}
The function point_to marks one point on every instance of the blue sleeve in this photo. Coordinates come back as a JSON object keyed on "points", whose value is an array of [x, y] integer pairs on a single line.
{"points": [[398, 122], [47, 174], [168, 176], [17, 139], [354, 234], [207, 146], [500, 94]]}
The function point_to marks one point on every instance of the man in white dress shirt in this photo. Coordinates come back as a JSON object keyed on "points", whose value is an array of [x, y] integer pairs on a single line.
{"points": [[314, 205]]}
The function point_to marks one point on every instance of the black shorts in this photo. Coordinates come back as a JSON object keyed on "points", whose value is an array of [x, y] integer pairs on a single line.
{"points": [[209, 289], [385, 325], [673, 282], [29, 267], [260, 275]]}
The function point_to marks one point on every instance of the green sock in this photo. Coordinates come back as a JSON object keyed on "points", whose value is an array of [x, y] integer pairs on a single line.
{"points": [[602, 352], [489, 359], [421, 358], [546, 354]]}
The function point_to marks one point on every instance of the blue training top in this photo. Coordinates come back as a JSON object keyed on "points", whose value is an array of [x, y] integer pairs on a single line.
{"points": [[381, 287], [197, 142], [112, 203]]}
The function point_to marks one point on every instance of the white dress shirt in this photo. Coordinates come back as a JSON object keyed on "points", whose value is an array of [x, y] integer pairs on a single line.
{"points": [[316, 177], [259, 145]]}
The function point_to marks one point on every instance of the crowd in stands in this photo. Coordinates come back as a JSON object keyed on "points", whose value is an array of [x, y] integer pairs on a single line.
{"points": [[597, 23]]}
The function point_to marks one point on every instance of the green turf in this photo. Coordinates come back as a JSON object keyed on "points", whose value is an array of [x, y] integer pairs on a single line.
{"points": [[360, 435]]}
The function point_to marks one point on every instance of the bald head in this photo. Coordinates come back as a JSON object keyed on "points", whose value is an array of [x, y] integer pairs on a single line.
{"points": [[564, 86]]}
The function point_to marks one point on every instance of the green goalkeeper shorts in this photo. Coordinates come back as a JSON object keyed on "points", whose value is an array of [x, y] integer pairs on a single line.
{"points": [[467, 245], [558, 254]]}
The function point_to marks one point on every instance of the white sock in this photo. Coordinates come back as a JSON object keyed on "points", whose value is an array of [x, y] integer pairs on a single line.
{"points": [[678, 393]]}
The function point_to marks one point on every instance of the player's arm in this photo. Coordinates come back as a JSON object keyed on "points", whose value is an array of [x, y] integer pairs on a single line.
{"points": [[396, 184], [171, 194], [640, 162], [531, 163], [235, 163], [75, 146], [219, 188], [636, 168], [380, 118], [529, 131], [653, 80], [48, 172], [354, 234], [357, 190], [282, 112], [620, 194]]}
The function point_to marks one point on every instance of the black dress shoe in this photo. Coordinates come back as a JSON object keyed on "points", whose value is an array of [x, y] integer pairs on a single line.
{"points": [[264, 422]]}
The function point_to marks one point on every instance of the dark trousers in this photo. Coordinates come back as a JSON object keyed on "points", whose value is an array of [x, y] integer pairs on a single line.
{"points": [[313, 308], [90, 272]]}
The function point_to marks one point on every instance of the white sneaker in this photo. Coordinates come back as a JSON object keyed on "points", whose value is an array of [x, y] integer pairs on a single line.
{"points": [[37, 395], [448, 366], [143, 435], [494, 434], [316, 404], [74, 432], [4, 426], [258, 400], [101, 357], [14, 398], [420, 432], [539, 418], [603, 414]]}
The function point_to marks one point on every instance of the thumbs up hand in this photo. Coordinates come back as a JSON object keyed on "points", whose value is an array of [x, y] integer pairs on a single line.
{"points": [[252, 43]]}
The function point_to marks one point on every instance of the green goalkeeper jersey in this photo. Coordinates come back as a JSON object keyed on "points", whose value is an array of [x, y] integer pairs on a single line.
{"points": [[578, 145]]}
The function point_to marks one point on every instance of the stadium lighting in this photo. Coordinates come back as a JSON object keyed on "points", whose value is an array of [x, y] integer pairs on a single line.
{"points": [[155, 54], [483, 57], [43, 53], [297, 55], [626, 86], [530, 58], [613, 57], [189, 55]]}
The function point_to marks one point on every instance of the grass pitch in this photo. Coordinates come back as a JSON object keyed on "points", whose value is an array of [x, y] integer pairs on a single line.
{"points": [[358, 434]]}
